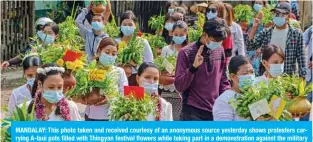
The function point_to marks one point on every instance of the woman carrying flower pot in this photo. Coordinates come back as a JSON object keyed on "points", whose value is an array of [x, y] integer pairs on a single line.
{"points": [[148, 78], [241, 74], [97, 105], [22, 93], [49, 102], [93, 35], [272, 63], [128, 26], [180, 40]]}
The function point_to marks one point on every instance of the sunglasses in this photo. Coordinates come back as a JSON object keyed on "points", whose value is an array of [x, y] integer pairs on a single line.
{"points": [[211, 9]]}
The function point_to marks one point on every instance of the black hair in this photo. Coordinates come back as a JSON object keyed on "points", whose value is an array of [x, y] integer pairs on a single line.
{"points": [[54, 27], [216, 28], [146, 65], [165, 33], [236, 62], [169, 4], [268, 52], [128, 15], [31, 61], [42, 77], [183, 25]]}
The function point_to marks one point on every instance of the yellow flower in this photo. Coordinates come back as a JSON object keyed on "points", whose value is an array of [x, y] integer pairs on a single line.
{"points": [[70, 65], [79, 64], [60, 62], [121, 45]]}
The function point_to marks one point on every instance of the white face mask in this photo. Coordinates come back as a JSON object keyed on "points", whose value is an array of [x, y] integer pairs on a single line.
{"points": [[276, 69]]}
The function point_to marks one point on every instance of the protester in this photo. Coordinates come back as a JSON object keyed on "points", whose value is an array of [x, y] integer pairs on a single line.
{"points": [[236, 32], [23, 93], [294, 8], [128, 26], [171, 5], [50, 103], [167, 32], [282, 35], [241, 74], [47, 34], [106, 56], [179, 39], [198, 65], [92, 36], [272, 63], [148, 78]]}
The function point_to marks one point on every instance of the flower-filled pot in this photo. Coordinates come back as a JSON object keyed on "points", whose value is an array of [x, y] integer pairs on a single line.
{"points": [[69, 79], [300, 106], [98, 7], [166, 79]]}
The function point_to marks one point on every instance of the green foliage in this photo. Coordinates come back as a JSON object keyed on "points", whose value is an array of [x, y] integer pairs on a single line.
{"points": [[57, 12], [243, 12], [194, 33], [97, 2], [159, 61], [157, 22], [155, 41], [69, 32], [267, 15], [128, 108], [111, 28], [83, 84], [295, 85], [133, 50]]}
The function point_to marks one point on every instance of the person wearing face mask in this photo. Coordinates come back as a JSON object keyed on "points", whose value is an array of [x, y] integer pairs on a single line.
{"points": [[148, 78], [200, 75], [272, 63], [179, 39], [48, 100], [283, 36], [47, 33], [97, 108], [171, 5], [128, 27], [241, 74], [30, 65], [167, 32], [93, 35]]}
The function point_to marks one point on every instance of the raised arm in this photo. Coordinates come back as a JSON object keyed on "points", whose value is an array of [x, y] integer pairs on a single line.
{"points": [[301, 58], [80, 22]]}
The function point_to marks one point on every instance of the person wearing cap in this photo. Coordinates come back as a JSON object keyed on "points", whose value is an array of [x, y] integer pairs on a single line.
{"points": [[284, 36], [200, 75], [93, 35], [294, 8], [47, 33]]}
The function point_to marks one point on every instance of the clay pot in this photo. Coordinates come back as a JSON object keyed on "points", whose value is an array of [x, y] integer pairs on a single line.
{"points": [[98, 9], [165, 79], [69, 79], [300, 107]]}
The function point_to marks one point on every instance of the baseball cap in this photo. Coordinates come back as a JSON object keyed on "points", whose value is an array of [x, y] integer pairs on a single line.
{"points": [[283, 7]]}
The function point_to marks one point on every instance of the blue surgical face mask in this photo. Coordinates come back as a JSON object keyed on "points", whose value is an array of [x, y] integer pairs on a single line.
{"points": [[52, 96], [171, 10], [97, 26], [169, 26], [257, 7], [41, 35], [47, 39], [107, 60], [213, 45], [211, 15], [150, 88], [245, 80], [179, 39], [279, 21], [30, 81], [127, 30], [276, 69]]}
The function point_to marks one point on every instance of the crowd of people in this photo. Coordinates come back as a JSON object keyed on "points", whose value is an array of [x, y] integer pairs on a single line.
{"points": [[208, 73]]}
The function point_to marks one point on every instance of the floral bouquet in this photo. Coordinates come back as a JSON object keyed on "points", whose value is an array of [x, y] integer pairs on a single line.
{"points": [[133, 106]]}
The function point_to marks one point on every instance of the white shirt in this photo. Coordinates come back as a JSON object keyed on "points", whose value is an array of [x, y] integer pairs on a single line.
{"points": [[102, 112], [73, 112], [279, 38], [223, 111], [167, 51], [18, 96], [147, 55], [166, 112], [238, 42]]}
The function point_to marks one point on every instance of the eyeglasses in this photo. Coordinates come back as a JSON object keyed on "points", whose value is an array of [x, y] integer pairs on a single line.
{"points": [[211, 9], [279, 14]]}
